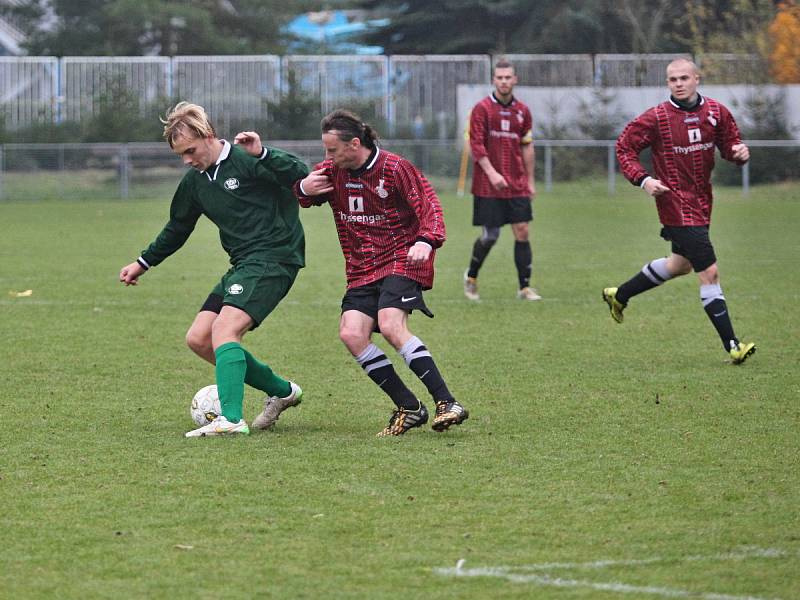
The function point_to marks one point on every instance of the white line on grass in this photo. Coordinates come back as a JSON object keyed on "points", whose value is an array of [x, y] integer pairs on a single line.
{"points": [[544, 579]]}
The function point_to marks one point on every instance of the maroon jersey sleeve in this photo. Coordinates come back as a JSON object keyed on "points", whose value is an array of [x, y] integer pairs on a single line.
{"points": [[727, 135], [478, 126], [636, 136], [308, 201], [421, 197]]}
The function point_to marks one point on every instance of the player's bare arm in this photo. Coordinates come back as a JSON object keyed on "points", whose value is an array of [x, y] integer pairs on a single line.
{"points": [[740, 152], [496, 179], [316, 183], [529, 158], [654, 187], [129, 275], [250, 141]]}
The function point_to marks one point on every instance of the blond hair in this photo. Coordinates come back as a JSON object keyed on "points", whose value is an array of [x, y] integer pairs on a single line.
{"points": [[188, 120]]}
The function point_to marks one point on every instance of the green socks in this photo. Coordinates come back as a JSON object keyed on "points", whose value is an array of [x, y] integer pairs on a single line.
{"points": [[235, 367], [261, 377], [230, 371]]}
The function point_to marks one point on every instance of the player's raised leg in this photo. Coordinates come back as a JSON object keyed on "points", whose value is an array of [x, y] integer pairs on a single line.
{"points": [[480, 250], [231, 368], [653, 274]]}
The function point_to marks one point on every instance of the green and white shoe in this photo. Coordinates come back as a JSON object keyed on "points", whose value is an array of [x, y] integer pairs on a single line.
{"points": [[615, 306], [219, 426]]}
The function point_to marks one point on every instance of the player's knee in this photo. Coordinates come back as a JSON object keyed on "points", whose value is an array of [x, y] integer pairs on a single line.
{"points": [[678, 265], [197, 341], [353, 339], [521, 231], [709, 276], [489, 236], [393, 331]]}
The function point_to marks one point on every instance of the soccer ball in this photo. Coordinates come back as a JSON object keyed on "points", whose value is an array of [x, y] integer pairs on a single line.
{"points": [[205, 405]]}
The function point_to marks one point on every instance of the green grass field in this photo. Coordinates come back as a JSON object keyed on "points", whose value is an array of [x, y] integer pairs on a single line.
{"points": [[600, 460]]}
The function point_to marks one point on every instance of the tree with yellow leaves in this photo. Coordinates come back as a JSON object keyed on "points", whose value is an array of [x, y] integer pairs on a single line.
{"points": [[784, 32]]}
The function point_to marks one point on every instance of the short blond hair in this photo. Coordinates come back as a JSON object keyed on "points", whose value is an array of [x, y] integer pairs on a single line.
{"points": [[188, 120]]}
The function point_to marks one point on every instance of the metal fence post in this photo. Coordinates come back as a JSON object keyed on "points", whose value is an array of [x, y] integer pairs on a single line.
{"points": [[123, 171], [548, 168], [59, 85], [2, 171], [612, 163], [746, 179]]}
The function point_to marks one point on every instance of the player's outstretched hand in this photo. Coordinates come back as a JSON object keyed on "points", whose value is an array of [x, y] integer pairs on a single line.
{"points": [[654, 187], [250, 141], [419, 253], [129, 275], [741, 152], [316, 183]]}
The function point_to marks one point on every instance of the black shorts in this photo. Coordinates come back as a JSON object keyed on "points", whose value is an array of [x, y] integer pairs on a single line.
{"points": [[394, 291], [496, 212], [692, 243]]}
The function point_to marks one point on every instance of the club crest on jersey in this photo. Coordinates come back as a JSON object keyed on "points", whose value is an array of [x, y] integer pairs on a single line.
{"points": [[380, 190], [712, 120], [231, 183], [235, 289]]}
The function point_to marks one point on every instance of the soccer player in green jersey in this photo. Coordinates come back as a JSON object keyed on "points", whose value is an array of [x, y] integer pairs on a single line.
{"points": [[250, 200]]}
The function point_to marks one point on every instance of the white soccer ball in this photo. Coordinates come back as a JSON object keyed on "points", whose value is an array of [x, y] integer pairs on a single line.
{"points": [[205, 405]]}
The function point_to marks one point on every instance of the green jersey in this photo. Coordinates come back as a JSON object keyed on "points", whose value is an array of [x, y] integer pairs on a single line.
{"points": [[250, 200]]}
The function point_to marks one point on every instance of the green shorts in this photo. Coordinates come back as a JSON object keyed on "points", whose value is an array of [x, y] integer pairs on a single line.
{"points": [[254, 287]]}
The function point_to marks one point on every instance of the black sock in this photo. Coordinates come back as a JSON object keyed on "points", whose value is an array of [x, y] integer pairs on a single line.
{"points": [[523, 259], [379, 368], [480, 250], [652, 275], [634, 286], [717, 311], [421, 362]]}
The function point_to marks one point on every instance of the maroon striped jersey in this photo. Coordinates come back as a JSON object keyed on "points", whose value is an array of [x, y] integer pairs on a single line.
{"points": [[499, 131], [381, 210], [682, 143]]}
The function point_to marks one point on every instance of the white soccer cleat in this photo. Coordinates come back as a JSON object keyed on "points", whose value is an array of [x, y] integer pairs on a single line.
{"points": [[219, 426], [471, 288], [528, 293], [274, 406]]}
